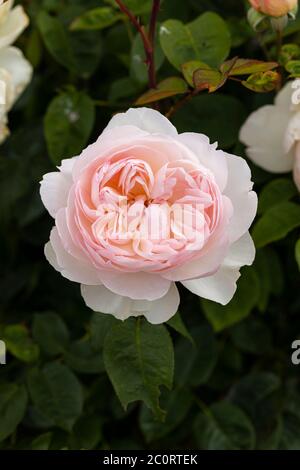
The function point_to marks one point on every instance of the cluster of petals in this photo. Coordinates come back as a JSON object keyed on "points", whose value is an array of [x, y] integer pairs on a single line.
{"points": [[144, 208]]}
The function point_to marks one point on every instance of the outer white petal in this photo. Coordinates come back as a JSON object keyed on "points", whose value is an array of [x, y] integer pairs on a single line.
{"points": [[264, 133], [296, 169], [244, 200], [55, 187], [221, 286], [161, 310], [139, 285], [70, 267], [19, 69], [207, 155], [284, 98], [5, 7], [101, 299], [292, 134], [14, 24], [146, 119]]}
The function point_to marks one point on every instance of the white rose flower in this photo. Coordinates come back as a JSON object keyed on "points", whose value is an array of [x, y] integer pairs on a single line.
{"points": [[272, 135], [13, 21], [15, 74]]}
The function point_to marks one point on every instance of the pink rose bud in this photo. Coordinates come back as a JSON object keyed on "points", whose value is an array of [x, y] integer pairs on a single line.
{"points": [[274, 8]]}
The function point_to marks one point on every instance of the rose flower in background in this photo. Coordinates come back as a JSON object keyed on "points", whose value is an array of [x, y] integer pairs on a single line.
{"points": [[274, 8], [140, 162], [272, 135], [15, 70]]}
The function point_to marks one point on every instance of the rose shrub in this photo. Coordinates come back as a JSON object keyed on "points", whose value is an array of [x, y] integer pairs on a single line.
{"points": [[134, 146]]}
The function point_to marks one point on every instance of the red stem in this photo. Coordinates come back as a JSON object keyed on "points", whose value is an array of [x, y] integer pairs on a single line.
{"points": [[152, 30], [148, 39]]}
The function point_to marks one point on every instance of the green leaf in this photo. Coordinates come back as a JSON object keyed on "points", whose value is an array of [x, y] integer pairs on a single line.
{"points": [[177, 404], [13, 402], [262, 82], [139, 359], [97, 18], [51, 333], [293, 67], [57, 394], [243, 302], [269, 271], [42, 442], [289, 52], [252, 336], [202, 357], [56, 40], [81, 357], [19, 343], [138, 67], [169, 87], [258, 394], [208, 79], [87, 433], [68, 123], [276, 223], [207, 39], [177, 324], [218, 116], [224, 426], [188, 69], [100, 325], [275, 192], [247, 66]]}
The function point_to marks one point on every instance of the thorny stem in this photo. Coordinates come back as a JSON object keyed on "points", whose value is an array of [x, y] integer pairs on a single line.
{"points": [[147, 38]]}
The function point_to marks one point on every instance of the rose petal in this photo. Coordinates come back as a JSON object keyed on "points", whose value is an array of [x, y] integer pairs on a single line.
{"points": [[146, 119], [101, 299], [238, 190], [139, 285], [70, 267], [263, 133], [13, 26]]}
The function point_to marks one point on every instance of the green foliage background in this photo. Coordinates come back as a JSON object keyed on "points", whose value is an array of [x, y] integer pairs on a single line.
{"points": [[212, 378]]}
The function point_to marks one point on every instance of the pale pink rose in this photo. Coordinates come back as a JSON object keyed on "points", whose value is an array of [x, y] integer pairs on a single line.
{"points": [[272, 134], [274, 8], [139, 168]]}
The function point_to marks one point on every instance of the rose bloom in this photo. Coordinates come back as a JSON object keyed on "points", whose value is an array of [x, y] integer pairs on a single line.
{"points": [[12, 22], [274, 7], [272, 134], [15, 70], [140, 163]]}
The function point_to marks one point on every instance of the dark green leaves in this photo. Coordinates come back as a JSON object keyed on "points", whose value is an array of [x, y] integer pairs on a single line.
{"points": [[56, 40], [275, 192], [224, 426], [13, 402], [218, 116], [206, 39], [51, 333], [139, 359], [57, 394], [98, 18], [276, 223], [19, 343], [68, 123]]}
